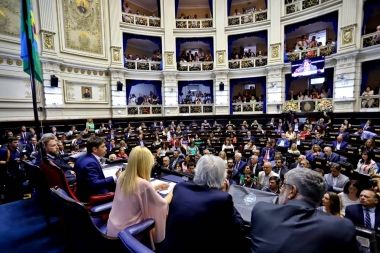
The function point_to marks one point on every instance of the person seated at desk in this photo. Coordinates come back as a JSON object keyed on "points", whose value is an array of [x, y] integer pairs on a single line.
{"points": [[368, 146], [165, 163], [230, 130], [128, 133], [367, 126], [280, 169], [175, 159], [295, 215], [205, 124], [137, 200], [279, 130], [122, 154], [249, 136], [202, 130], [367, 165], [297, 164], [178, 131], [31, 148], [110, 146], [343, 133], [248, 181], [193, 124], [90, 177], [321, 122], [293, 149], [315, 151], [365, 134], [335, 179], [250, 146], [140, 141], [274, 185], [111, 135], [109, 125], [330, 156], [243, 130], [267, 153], [283, 142], [317, 141], [209, 190], [339, 144], [305, 132], [272, 123], [187, 131], [230, 124], [263, 178], [227, 144], [298, 140], [77, 141]]}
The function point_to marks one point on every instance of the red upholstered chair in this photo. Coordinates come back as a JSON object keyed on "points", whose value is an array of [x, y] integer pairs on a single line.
{"points": [[56, 177]]}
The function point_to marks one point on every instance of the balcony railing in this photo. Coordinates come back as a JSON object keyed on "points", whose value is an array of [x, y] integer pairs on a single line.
{"points": [[247, 108], [371, 39], [300, 5], [248, 63], [369, 102], [193, 23], [144, 109], [141, 20], [248, 18], [195, 66], [142, 65], [196, 109], [309, 105], [312, 52]]}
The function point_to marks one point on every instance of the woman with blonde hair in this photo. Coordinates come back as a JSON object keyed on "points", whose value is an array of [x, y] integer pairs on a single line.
{"points": [[293, 149], [90, 124], [137, 200], [223, 155]]}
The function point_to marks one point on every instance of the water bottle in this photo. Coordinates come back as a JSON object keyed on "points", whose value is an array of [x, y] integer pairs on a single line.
{"points": [[242, 179]]}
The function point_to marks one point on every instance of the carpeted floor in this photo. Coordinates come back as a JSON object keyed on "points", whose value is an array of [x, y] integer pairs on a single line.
{"points": [[23, 229]]}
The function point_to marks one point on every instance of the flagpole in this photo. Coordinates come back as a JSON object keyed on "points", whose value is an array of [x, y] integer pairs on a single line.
{"points": [[32, 81]]}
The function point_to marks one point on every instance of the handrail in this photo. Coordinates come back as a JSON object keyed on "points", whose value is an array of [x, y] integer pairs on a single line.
{"points": [[251, 17], [195, 66], [247, 108], [309, 105], [248, 63], [193, 23], [141, 20], [311, 52], [142, 65], [300, 5], [371, 39], [370, 101], [144, 109], [196, 108]]}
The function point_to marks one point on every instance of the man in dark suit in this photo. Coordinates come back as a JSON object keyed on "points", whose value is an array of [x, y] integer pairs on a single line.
{"points": [[140, 141], [110, 146], [235, 175], [24, 135], [174, 160], [331, 156], [165, 163], [239, 164], [110, 125], [267, 153], [249, 137], [339, 144], [343, 133], [366, 213], [280, 169], [367, 126], [154, 125], [298, 163], [254, 163], [283, 143], [31, 148], [321, 122], [90, 176], [209, 223], [296, 216], [111, 135], [318, 141]]}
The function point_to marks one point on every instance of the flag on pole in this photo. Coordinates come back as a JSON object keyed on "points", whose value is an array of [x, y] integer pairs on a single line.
{"points": [[28, 31]]}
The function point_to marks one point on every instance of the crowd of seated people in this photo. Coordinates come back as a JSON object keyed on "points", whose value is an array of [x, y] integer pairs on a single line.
{"points": [[304, 43], [150, 99], [246, 54], [192, 98], [195, 16], [247, 11], [156, 56], [313, 93]]}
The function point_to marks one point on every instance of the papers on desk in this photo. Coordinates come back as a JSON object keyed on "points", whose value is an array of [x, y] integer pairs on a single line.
{"points": [[110, 171], [157, 182]]}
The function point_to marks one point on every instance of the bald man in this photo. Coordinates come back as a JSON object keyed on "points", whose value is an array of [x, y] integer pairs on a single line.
{"points": [[266, 174], [339, 144]]}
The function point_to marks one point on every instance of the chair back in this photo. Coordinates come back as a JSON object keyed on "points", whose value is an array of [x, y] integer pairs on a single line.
{"points": [[85, 235], [131, 237], [56, 177]]}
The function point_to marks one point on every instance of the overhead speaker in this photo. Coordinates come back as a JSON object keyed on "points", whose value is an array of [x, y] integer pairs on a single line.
{"points": [[53, 81], [119, 86], [221, 86]]}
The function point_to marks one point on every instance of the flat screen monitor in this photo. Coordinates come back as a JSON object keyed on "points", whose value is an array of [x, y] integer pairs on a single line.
{"points": [[308, 67]]}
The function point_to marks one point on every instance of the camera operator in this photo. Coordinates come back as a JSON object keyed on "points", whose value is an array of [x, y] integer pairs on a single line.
{"points": [[11, 176]]}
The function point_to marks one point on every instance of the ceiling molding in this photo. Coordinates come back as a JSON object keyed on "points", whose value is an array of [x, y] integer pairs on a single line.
{"points": [[148, 8]]}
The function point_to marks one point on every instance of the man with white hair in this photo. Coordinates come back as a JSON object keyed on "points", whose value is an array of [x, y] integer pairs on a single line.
{"points": [[331, 156], [254, 163], [296, 216], [298, 163], [210, 223], [239, 164]]}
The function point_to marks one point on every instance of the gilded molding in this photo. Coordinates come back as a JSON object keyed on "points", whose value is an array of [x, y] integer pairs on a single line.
{"points": [[1, 60], [62, 68], [76, 70], [48, 41], [220, 55], [275, 50], [9, 61], [18, 62]]}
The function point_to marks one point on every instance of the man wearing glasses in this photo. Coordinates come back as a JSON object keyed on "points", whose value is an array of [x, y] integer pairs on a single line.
{"points": [[265, 175], [296, 216]]}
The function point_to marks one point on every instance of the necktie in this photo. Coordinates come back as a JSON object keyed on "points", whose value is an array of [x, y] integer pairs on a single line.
{"points": [[23, 134], [367, 219], [266, 154], [237, 165], [34, 147]]}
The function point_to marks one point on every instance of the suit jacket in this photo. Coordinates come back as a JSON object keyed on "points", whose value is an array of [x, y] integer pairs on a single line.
{"points": [[355, 214], [179, 160], [110, 126], [282, 172], [334, 158], [29, 149], [342, 180], [293, 221], [257, 169], [315, 126], [109, 137], [295, 141], [293, 166], [139, 144], [246, 137], [241, 166], [108, 145], [90, 178], [286, 142], [370, 128], [271, 153], [28, 137], [184, 212], [343, 145], [344, 135], [319, 142]]}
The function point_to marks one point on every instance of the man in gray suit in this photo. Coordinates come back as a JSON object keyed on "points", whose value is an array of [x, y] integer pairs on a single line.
{"points": [[279, 228], [336, 180]]}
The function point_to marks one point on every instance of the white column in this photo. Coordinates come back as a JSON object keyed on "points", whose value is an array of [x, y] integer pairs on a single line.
{"points": [[275, 93], [170, 93], [48, 27], [115, 35], [275, 32], [169, 45], [220, 40]]}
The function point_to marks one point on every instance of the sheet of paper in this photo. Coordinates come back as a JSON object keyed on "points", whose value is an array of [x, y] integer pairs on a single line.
{"points": [[109, 172], [157, 182]]}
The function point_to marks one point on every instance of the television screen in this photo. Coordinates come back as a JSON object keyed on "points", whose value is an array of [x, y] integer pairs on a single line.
{"points": [[308, 67]]}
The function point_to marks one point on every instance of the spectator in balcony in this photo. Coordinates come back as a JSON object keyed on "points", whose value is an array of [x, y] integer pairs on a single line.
{"points": [[208, 56], [299, 44], [377, 36], [324, 94], [307, 95], [330, 43], [126, 8], [367, 102], [315, 95], [182, 16], [313, 42]]}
